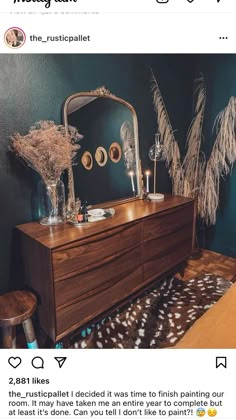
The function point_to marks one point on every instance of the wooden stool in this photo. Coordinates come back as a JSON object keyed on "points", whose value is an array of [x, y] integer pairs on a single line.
{"points": [[17, 308]]}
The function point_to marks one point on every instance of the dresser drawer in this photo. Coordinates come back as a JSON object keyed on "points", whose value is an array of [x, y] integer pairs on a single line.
{"points": [[75, 257], [81, 298], [167, 222], [162, 254]]}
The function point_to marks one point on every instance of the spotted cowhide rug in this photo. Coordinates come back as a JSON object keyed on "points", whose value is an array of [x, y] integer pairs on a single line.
{"points": [[159, 318]]}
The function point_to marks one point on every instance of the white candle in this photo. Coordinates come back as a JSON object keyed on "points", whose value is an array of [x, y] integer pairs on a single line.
{"points": [[147, 181], [132, 180]]}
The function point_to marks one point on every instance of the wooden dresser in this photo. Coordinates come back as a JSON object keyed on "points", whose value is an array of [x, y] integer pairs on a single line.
{"points": [[81, 272]]}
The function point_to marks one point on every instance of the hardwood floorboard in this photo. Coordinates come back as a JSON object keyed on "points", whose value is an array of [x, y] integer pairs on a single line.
{"points": [[211, 262]]}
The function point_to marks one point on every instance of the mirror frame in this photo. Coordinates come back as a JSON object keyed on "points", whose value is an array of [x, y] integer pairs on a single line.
{"points": [[102, 92]]}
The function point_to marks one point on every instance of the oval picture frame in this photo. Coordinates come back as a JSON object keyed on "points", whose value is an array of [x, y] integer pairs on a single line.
{"points": [[101, 156], [87, 160], [115, 152]]}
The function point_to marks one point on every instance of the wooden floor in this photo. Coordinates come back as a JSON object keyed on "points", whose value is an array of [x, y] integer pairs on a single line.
{"points": [[211, 262]]}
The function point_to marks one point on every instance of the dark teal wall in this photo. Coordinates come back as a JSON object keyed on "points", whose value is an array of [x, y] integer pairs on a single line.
{"points": [[220, 75], [34, 87]]}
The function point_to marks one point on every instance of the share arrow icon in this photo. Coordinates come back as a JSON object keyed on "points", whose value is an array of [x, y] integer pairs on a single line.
{"points": [[60, 360]]}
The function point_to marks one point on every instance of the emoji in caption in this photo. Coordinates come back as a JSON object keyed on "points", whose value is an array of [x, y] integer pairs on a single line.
{"points": [[212, 412], [201, 412]]}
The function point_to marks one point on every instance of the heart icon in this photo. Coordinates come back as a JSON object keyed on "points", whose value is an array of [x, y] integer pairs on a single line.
{"points": [[14, 362]]}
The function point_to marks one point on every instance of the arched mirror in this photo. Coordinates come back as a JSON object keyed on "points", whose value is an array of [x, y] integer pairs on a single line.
{"points": [[108, 166]]}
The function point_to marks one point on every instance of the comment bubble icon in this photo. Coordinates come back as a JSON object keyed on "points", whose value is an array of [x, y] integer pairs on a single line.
{"points": [[37, 362]]}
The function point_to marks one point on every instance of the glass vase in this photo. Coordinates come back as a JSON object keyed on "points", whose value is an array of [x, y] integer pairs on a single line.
{"points": [[51, 202]]}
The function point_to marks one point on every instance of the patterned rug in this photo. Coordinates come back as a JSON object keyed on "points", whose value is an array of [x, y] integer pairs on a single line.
{"points": [[159, 318]]}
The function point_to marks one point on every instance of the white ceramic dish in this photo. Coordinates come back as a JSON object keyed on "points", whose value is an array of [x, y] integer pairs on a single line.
{"points": [[156, 197], [96, 212]]}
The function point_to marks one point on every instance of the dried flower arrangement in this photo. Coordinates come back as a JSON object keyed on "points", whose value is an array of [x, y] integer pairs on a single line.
{"points": [[48, 148], [195, 177]]}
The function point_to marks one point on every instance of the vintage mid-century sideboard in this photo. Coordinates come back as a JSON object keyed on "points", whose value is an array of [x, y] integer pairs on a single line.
{"points": [[79, 273]]}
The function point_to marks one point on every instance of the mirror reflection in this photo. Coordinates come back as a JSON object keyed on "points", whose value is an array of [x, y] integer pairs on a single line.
{"points": [[108, 161]]}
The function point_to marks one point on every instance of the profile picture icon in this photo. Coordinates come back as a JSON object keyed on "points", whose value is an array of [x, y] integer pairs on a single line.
{"points": [[14, 37]]}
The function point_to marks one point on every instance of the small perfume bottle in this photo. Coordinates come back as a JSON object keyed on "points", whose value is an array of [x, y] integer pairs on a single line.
{"points": [[84, 212], [80, 216]]}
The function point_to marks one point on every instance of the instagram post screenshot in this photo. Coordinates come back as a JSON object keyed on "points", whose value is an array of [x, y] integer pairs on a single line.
{"points": [[118, 209]]}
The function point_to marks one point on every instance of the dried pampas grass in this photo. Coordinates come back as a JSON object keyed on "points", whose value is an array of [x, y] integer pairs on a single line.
{"points": [[194, 177], [48, 148], [128, 145], [222, 158], [194, 161], [170, 145]]}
